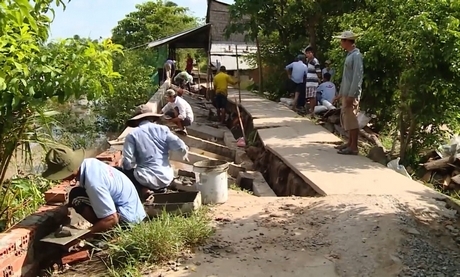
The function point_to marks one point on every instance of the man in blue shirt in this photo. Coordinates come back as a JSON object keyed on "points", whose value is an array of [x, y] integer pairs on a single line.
{"points": [[146, 153], [326, 91], [105, 196], [297, 71]]}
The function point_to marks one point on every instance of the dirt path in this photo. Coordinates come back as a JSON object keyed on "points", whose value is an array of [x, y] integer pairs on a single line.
{"points": [[330, 236]]}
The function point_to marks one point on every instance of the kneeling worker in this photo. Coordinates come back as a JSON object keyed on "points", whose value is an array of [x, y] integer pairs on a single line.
{"points": [[178, 111], [105, 196], [147, 148]]}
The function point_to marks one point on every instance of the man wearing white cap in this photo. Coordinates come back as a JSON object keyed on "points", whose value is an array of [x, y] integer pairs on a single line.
{"points": [[350, 92]]}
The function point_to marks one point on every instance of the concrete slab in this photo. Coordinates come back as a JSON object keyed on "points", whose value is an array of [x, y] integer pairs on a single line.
{"points": [[259, 107], [297, 134], [308, 150], [209, 146], [260, 123], [329, 173], [205, 132], [253, 180], [210, 154]]}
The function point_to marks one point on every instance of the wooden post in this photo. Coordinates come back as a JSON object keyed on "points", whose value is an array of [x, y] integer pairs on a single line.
{"points": [[238, 72], [259, 64]]}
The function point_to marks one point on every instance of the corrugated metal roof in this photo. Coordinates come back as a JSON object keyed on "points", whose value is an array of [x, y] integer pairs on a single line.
{"points": [[230, 49], [173, 38], [230, 62]]}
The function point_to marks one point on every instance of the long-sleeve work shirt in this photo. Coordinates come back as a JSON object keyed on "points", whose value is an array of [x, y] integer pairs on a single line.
{"points": [[147, 147]]}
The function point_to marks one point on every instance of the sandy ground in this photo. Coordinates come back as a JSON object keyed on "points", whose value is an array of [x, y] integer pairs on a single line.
{"points": [[330, 236]]}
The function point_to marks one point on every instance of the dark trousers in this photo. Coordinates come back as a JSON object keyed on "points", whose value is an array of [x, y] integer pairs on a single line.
{"points": [[300, 88]]}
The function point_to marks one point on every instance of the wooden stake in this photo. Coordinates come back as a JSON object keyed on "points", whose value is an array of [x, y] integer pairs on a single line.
{"points": [[239, 118], [238, 72]]}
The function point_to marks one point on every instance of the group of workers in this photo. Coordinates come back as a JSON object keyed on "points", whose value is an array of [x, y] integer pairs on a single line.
{"points": [[106, 195], [309, 82], [183, 79]]}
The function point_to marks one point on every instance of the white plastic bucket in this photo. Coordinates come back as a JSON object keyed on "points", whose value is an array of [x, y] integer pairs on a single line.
{"points": [[212, 181]]}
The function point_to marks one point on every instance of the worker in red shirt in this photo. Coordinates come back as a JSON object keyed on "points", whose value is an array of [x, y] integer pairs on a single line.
{"points": [[189, 65]]}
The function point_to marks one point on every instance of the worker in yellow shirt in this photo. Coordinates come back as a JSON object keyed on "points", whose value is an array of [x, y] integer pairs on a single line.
{"points": [[221, 82]]}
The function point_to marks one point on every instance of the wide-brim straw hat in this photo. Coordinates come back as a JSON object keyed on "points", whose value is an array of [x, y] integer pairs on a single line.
{"points": [[142, 111]]}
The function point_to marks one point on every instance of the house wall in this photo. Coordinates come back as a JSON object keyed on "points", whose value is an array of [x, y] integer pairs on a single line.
{"points": [[219, 17]]}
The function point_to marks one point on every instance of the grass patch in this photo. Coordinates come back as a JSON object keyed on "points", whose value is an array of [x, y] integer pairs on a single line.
{"points": [[238, 188], [156, 241]]}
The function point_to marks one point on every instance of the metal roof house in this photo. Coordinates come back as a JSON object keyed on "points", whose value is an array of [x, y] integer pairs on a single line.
{"points": [[223, 48]]}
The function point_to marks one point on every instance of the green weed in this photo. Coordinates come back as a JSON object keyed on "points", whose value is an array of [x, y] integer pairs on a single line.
{"points": [[155, 241]]}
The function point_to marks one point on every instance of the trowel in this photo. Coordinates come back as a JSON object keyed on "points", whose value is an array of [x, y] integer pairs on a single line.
{"points": [[65, 235]]}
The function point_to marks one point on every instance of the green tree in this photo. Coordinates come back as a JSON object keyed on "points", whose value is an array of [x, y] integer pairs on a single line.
{"points": [[134, 87], [34, 73], [152, 20], [412, 67]]}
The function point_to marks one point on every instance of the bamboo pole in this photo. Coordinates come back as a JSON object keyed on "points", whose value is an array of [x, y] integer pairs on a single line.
{"points": [[238, 72], [239, 118]]}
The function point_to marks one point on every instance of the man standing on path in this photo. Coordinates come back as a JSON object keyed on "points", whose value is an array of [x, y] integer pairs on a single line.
{"points": [[313, 78], [297, 71], [146, 153], [350, 92], [105, 196], [221, 82]]}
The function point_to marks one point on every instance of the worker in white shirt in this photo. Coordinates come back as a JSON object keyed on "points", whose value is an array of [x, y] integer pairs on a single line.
{"points": [[178, 111], [184, 80]]}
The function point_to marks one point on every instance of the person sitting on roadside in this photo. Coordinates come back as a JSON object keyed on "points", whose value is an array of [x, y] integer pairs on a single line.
{"points": [[184, 80], [221, 82], [105, 197], [326, 90], [177, 110], [146, 149]]}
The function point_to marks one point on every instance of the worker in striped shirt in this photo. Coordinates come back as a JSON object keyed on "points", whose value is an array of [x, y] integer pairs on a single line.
{"points": [[313, 77]]}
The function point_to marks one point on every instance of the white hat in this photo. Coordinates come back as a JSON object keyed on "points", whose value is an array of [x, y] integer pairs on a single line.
{"points": [[347, 35]]}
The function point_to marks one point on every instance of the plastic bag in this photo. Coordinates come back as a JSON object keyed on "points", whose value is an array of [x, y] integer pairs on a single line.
{"points": [[240, 142], [287, 101], [363, 120], [445, 150], [394, 164]]}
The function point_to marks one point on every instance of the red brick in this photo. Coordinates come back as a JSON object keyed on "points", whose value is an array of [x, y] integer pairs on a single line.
{"points": [[16, 244], [75, 257], [57, 194]]}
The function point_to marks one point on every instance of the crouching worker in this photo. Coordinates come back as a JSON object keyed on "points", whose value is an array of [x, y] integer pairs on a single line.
{"points": [[178, 111], [105, 196], [184, 80], [146, 153]]}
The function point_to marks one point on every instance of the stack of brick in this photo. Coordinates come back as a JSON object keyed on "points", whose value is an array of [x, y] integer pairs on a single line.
{"points": [[20, 251]]}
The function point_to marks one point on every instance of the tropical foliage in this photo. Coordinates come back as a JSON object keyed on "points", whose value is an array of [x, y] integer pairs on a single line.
{"points": [[410, 53]]}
